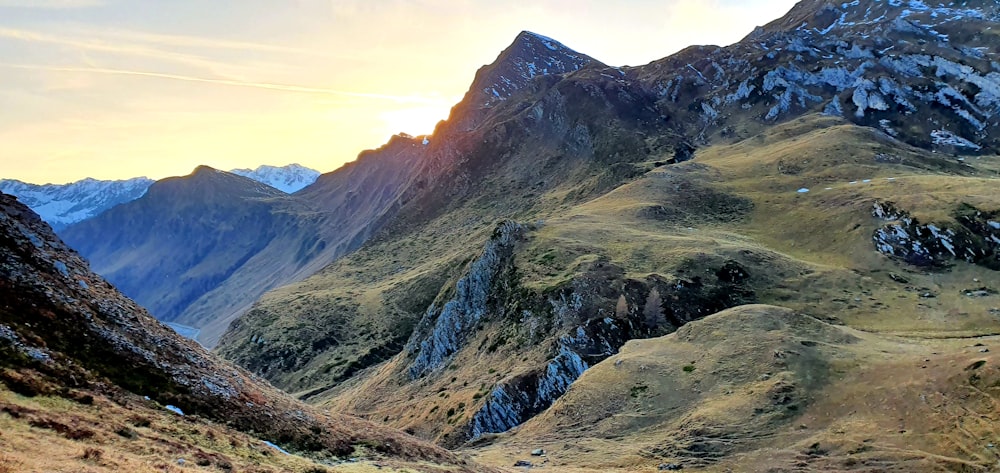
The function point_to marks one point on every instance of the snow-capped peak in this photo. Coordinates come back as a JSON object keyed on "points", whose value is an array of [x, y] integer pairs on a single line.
{"points": [[288, 179], [64, 204]]}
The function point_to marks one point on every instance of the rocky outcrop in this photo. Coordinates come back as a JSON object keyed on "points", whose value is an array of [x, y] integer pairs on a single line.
{"points": [[920, 73], [443, 331], [517, 400], [649, 307], [974, 238]]}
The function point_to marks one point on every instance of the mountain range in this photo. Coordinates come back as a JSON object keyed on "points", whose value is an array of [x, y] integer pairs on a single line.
{"points": [[62, 205], [777, 255]]}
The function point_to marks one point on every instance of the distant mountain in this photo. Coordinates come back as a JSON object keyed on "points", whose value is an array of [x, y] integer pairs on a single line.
{"points": [[68, 335], [64, 204], [288, 179], [187, 233], [198, 250]]}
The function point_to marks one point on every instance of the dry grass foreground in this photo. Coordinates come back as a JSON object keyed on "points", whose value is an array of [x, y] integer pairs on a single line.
{"points": [[86, 432]]}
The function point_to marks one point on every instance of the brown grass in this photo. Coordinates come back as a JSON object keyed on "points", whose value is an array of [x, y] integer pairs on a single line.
{"points": [[41, 434]]}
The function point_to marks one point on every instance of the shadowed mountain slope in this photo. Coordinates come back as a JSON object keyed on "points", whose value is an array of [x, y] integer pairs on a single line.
{"points": [[198, 250], [66, 332]]}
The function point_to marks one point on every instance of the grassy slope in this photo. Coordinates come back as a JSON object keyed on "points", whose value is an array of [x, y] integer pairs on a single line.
{"points": [[127, 433], [901, 396], [793, 244], [761, 388], [809, 252]]}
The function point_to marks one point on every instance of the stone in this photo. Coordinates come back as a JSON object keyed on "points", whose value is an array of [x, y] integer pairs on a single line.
{"points": [[537, 452], [670, 467], [523, 463]]}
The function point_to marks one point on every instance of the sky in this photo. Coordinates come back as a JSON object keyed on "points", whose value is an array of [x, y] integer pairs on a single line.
{"points": [[113, 89]]}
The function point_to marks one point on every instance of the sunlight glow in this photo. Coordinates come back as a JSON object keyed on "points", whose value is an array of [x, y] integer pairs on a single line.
{"points": [[414, 121]]}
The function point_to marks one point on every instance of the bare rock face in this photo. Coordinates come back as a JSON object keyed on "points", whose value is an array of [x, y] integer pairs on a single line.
{"points": [[453, 322], [974, 238], [922, 73]]}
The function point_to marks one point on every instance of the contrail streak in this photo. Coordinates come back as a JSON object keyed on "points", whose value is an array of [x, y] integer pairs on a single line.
{"points": [[235, 83]]}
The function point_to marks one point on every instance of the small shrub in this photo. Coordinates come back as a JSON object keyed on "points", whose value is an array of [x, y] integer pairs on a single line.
{"points": [[85, 399], [141, 421], [92, 454], [451, 412], [638, 390], [688, 368], [126, 432]]}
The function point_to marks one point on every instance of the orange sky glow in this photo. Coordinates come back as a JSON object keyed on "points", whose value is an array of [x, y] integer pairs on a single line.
{"points": [[114, 89]]}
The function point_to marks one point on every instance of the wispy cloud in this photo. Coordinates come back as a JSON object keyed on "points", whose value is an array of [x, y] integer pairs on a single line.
{"points": [[228, 82], [92, 45], [208, 54], [51, 4], [183, 41]]}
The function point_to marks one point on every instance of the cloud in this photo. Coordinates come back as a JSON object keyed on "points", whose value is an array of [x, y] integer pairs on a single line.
{"points": [[196, 42], [228, 82], [207, 54], [94, 45], [51, 4]]}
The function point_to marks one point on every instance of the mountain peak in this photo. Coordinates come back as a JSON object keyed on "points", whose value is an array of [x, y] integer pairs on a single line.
{"points": [[530, 36], [529, 56], [203, 169], [288, 179]]}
